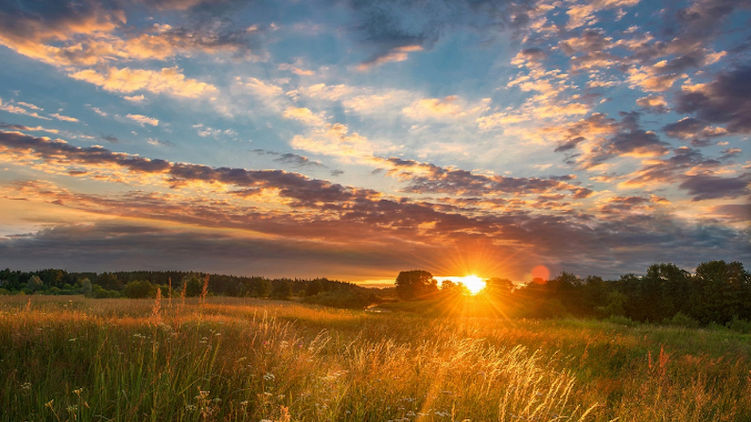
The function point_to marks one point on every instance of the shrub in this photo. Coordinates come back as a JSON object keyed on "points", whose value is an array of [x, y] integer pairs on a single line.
{"points": [[739, 325], [621, 320], [139, 289], [342, 298], [99, 292], [682, 320]]}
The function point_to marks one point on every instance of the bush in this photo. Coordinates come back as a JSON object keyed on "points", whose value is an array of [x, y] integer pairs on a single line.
{"points": [[682, 320], [139, 289], [739, 325], [99, 292], [621, 320], [342, 298]]}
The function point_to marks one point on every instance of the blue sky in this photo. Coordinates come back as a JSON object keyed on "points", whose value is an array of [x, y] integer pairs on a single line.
{"points": [[357, 139]]}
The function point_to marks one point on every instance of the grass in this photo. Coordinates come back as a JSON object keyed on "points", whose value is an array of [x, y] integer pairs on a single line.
{"points": [[236, 360]]}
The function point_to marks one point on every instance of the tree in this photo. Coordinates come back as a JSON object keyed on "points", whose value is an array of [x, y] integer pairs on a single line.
{"points": [[415, 284], [452, 288], [723, 291], [193, 285], [109, 281], [35, 283], [313, 287], [282, 290], [86, 287], [260, 287]]}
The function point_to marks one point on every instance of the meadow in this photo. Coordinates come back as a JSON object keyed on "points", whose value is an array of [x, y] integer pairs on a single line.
{"points": [[235, 359]]}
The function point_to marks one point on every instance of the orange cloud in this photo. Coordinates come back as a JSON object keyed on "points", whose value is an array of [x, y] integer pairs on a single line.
{"points": [[398, 54], [143, 120], [169, 80]]}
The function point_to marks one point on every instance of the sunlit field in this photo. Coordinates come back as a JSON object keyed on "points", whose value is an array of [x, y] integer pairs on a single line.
{"points": [[240, 359]]}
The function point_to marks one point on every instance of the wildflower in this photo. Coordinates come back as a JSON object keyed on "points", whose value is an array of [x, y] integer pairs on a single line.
{"points": [[190, 407], [26, 386], [72, 408], [268, 376]]}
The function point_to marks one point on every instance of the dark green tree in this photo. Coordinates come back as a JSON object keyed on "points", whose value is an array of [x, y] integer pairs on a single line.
{"points": [[139, 289], [193, 285], [415, 284]]}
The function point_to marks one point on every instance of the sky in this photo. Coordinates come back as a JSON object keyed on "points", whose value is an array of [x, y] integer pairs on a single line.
{"points": [[355, 139]]}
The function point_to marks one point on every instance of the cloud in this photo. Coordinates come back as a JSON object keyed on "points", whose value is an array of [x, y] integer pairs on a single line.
{"points": [[652, 78], [733, 212], [206, 131], [112, 246], [726, 100], [305, 116], [583, 14], [451, 107], [705, 186], [653, 103], [168, 80], [294, 186], [64, 118], [52, 150], [24, 128], [290, 158], [31, 29], [143, 120], [16, 108], [601, 139], [89, 33], [429, 178], [688, 169], [388, 234], [397, 54], [697, 131], [135, 98], [391, 29]]}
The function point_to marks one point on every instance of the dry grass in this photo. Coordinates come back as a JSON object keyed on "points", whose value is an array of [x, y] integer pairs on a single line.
{"points": [[234, 359]]}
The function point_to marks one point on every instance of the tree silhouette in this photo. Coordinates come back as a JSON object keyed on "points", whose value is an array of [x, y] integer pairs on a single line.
{"points": [[415, 284]]}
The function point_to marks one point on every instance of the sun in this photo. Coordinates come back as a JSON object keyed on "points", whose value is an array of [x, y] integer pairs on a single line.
{"points": [[473, 283]]}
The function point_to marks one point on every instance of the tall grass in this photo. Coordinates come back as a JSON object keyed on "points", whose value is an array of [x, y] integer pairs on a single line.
{"points": [[232, 359]]}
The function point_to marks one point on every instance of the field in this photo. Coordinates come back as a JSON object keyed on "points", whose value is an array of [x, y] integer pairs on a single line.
{"points": [[71, 358]]}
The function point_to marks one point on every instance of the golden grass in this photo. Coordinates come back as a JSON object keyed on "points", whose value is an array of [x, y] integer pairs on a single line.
{"points": [[240, 359]]}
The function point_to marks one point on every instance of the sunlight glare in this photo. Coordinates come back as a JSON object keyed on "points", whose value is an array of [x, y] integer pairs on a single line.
{"points": [[472, 282]]}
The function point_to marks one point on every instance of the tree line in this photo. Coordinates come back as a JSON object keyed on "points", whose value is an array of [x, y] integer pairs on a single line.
{"points": [[143, 284], [716, 292]]}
